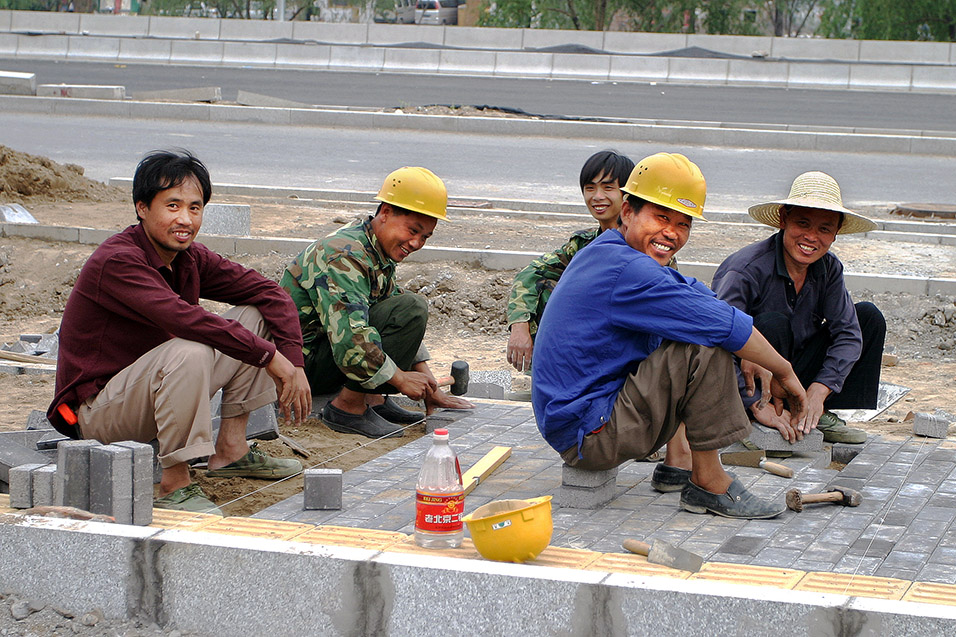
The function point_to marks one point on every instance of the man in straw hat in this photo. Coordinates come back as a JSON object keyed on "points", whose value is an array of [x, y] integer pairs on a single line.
{"points": [[362, 332], [793, 287], [631, 353]]}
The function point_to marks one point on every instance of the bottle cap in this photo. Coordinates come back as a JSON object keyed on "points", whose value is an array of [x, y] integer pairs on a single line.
{"points": [[441, 432]]}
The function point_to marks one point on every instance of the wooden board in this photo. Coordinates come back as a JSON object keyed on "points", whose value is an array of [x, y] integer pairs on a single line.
{"points": [[484, 467]]}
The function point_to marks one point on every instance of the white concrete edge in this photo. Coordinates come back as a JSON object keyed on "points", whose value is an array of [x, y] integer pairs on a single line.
{"points": [[488, 259], [154, 573], [842, 141]]}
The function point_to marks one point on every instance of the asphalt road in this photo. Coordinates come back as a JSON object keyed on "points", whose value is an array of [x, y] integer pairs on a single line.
{"points": [[472, 165], [576, 98]]}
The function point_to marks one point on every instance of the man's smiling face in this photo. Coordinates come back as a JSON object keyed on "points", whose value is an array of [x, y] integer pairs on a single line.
{"points": [[401, 234], [656, 231], [807, 235]]}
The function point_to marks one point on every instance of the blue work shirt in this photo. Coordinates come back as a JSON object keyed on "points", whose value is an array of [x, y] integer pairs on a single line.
{"points": [[755, 279], [612, 307]]}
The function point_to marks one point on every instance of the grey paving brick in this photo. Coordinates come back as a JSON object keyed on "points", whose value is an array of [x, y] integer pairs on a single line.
{"points": [[883, 532], [776, 557], [942, 555], [111, 482], [13, 454], [743, 545], [770, 439], [930, 425], [142, 481], [824, 552], [857, 565], [730, 558], [870, 547], [44, 486], [21, 485], [941, 573], [788, 539], [896, 573], [572, 477], [73, 473], [323, 489]]}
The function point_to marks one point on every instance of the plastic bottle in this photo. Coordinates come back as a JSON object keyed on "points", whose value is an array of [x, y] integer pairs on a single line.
{"points": [[440, 498]]}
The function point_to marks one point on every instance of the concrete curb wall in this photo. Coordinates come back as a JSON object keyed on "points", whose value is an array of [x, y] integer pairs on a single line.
{"points": [[648, 131], [488, 259], [474, 37], [506, 63], [213, 584]]}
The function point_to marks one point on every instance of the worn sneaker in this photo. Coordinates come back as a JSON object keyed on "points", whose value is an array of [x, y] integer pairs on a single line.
{"points": [[257, 464], [834, 429], [736, 503], [189, 498]]}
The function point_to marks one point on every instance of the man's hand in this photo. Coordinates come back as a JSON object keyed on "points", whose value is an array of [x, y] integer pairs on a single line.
{"points": [[520, 346], [767, 416], [751, 371], [438, 398], [816, 395], [415, 385], [788, 388], [292, 387]]}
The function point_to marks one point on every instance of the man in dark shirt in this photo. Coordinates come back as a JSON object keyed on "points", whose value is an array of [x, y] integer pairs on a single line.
{"points": [[139, 358], [793, 287]]}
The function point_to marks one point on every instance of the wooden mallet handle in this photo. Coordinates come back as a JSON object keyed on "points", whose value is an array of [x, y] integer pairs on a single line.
{"points": [[777, 469], [813, 498]]}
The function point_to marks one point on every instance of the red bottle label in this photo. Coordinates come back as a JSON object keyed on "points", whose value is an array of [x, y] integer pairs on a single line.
{"points": [[439, 512]]}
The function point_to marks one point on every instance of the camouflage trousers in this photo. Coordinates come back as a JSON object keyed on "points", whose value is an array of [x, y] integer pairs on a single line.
{"points": [[400, 320]]}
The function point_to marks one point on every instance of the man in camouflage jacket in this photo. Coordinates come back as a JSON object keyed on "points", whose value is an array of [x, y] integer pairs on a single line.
{"points": [[362, 333], [601, 177]]}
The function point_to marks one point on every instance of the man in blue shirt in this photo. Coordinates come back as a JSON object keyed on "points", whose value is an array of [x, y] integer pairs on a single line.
{"points": [[793, 287], [631, 353]]}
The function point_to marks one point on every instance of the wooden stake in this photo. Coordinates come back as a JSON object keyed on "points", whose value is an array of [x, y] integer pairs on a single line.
{"points": [[484, 467]]}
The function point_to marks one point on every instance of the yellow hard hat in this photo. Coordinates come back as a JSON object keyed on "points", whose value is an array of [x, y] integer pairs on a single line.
{"points": [[416, 189], [511, 530], [669, 180]]}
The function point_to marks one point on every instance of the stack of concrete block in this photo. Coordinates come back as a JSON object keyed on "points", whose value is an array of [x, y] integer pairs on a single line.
{"points": [[322, 490], [581, 489], [234, 220], [114, 480], [931, 425]]}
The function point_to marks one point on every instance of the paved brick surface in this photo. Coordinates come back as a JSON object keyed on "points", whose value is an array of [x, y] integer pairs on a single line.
{"points": [[903, 530]]}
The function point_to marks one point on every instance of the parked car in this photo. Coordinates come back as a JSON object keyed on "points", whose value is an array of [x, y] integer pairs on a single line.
{"points": [[403, 12], [436, 12]]}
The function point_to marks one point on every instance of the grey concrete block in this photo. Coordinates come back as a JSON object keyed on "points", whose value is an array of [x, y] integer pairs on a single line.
{"points": [[21, 486], [585, 498], [572, 477], [142, 480], [771, 440], [198, 94], [15, 213], [227, 219], [82, 91], [44, 486], [111, 482], [73, 473], [500, 377], [930, 425], [322, 490], [485, 390], [247, 98], [37, 420], [263, 424], [14, 454], [12, 83]]}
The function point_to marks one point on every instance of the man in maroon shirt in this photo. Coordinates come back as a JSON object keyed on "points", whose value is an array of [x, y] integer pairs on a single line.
{"points": [[139, 358]]}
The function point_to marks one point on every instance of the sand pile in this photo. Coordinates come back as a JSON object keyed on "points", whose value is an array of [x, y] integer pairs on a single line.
{"points": [[31, 178]]}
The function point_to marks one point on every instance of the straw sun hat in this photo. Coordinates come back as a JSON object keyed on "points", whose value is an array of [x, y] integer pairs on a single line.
{"points": [[813, 190]]}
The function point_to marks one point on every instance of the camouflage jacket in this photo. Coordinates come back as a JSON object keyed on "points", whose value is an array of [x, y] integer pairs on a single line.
{"points": [[532, 286], [333, 283]]}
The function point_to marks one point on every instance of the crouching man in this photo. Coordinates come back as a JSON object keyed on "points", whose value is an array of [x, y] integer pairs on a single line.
{"points": [[631, 353], [139, 358]]}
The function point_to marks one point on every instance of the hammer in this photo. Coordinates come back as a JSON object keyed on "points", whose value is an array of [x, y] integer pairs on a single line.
{"points": [[458, 379], [841, 495]]}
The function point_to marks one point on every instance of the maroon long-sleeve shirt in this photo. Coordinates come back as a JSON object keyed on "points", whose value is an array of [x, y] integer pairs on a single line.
{"points": [[126, 301]]}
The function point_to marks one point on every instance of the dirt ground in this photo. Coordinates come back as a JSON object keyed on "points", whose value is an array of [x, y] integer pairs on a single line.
{"points": [[467, 319]]}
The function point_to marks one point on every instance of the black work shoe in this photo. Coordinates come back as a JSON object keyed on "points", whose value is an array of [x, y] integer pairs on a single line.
{"points": [[667, 478], [390, 411], [736, 503], [369, 424]]}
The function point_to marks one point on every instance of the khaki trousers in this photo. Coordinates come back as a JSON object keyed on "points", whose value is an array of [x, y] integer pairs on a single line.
{"points": [[678, 382], [165, 395]]}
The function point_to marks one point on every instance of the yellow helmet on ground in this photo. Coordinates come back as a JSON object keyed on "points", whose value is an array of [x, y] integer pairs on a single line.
{"points": [[416, 189], [669, 180], [511, 530]]}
